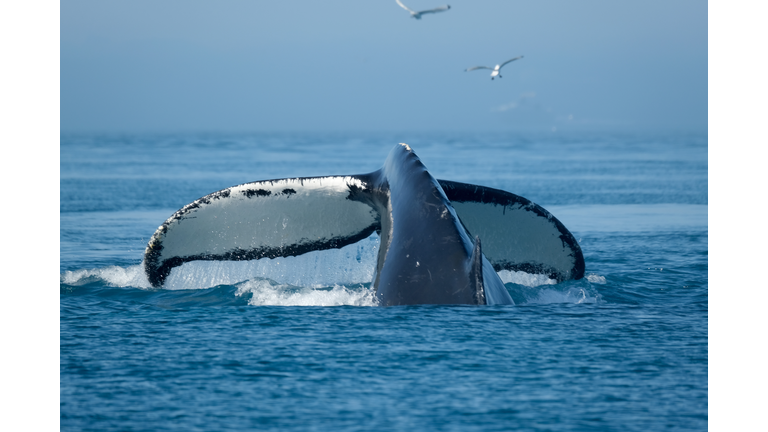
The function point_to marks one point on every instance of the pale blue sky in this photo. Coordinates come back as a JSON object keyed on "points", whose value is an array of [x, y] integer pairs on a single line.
{"points": [[245, 65]]}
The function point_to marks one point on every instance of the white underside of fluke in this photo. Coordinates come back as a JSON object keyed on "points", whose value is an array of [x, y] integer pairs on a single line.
{"points": [[265, 214]]}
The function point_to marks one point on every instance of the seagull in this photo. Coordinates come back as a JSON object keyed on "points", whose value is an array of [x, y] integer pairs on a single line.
{"points": [[418, 14], [495, 70]]}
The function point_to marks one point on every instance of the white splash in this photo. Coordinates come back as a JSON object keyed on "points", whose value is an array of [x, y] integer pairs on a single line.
{"points": [[132, 276], [526, 279], [572, 295], [539, 289], [596, 279], [269, 293]]}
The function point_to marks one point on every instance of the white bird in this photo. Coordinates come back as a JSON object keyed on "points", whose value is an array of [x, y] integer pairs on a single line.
{"points": [[418, 14], [495, 70]]}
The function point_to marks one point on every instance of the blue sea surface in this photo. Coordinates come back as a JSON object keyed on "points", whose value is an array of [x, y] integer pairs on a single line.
{"points": [[296, 344]]}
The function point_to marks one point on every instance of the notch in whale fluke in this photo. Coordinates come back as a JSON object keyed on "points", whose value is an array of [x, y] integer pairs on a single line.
{"points": [[429, 229]]}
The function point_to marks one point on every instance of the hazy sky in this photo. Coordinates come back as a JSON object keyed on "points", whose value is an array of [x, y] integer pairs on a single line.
{"points": [[364, 65]]}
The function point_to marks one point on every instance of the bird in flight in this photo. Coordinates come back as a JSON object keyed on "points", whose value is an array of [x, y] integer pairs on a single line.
{"points": [[495, 70], [418, 14]]}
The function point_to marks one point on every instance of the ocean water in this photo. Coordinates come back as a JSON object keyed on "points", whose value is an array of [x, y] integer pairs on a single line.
{"points": [[297, 344]]}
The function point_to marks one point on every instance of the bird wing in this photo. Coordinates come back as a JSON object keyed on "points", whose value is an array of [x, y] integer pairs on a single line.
{"points": [[510, 60], [477, 67], [435, 10], [405, 7]]}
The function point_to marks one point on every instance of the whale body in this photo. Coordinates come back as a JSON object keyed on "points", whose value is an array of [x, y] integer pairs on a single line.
{"points": [[442, 242]]}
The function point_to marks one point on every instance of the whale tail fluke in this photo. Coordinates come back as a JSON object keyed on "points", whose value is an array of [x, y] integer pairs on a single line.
{"points": [[401, 202]]}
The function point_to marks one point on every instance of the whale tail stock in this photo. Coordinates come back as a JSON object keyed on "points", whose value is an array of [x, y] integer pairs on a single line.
{"points": [[430, 229]]}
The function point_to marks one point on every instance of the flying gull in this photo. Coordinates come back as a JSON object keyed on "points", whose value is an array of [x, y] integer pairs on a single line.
{"points": [[495, 70], [418, 14]]}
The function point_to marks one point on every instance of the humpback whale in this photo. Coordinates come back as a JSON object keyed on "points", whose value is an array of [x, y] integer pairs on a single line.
{"points": [[441, 242]]}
